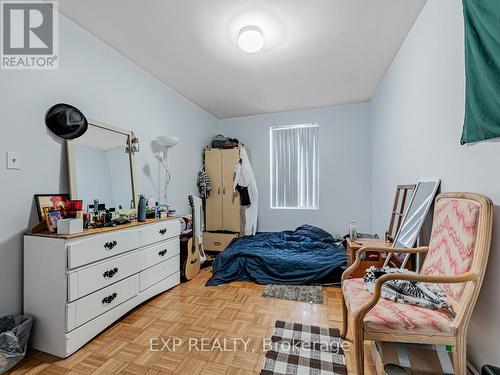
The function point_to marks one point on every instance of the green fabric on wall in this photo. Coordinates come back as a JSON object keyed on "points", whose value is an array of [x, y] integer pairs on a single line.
{"points": [[482, 70]]}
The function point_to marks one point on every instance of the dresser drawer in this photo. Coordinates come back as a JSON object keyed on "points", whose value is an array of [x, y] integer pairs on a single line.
{"points": [[90, 279], [159, 232], [93, 249], [158, 272], [160, 252], [97, 303], [217, 241]]}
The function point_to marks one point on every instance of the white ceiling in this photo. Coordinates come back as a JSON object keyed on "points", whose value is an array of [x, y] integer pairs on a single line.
{"points": [[316, 53]]}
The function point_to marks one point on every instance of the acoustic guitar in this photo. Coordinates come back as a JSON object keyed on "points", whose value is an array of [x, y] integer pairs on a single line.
{"points": [[195, 253]]}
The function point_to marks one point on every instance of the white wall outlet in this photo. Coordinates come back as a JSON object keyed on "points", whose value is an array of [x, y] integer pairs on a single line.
{"points": [[13, 160]]}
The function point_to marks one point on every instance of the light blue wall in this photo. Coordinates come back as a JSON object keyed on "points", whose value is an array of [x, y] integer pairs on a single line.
{"points": [[344, 166], [106, 87], [417, 117]]}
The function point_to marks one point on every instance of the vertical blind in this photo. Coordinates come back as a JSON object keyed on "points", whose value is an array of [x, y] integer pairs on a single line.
{"points": [[295, 166]]}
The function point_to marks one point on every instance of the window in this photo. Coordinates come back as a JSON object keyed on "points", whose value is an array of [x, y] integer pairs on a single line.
{"points": [[295, 166]]}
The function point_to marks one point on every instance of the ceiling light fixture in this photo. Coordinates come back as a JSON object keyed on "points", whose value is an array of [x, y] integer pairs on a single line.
{"points": [[251, 39]]}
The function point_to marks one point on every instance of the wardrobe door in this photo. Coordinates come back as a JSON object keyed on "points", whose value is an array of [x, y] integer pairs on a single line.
{"points": [[230, 199], [213, 208]]}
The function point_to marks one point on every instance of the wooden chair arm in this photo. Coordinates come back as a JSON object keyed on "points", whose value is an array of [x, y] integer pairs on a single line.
{"points": [[462, 278], [380, 249], [401, 250]]}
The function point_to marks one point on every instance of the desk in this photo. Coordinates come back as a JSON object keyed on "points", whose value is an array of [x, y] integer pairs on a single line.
{"points": [[353, 247]]}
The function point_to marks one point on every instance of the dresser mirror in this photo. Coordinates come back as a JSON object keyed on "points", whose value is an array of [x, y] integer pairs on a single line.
{"points": [[101, 166]]}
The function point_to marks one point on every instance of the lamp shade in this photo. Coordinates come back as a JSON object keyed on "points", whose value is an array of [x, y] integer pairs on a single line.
{"points": [[167, 140]]}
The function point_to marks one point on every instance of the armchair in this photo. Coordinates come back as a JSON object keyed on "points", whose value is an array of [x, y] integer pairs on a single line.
{"points": [[456, 258]]}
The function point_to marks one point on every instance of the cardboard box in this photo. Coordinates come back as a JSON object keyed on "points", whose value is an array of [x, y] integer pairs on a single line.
{"points": [[416, 359]]}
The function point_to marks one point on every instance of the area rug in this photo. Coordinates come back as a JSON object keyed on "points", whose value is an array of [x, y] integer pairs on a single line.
{"points": [[301, 293], [298, 349]]}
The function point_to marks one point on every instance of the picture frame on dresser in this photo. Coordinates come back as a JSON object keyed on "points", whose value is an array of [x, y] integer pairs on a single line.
{"points": [[50, 201], [52, 216]]}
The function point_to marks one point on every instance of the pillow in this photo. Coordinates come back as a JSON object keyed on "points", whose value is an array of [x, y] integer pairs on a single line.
{"points": [[315, 234]]}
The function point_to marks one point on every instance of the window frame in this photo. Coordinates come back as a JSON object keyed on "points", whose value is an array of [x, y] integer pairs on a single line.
{"points": [[277, 127]]}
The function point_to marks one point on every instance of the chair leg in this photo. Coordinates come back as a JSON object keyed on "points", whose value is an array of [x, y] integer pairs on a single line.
{"points": [[343, 331], [460, 354], [359, 350]]}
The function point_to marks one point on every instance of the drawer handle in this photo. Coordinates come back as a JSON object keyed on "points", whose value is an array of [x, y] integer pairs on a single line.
{"points": [[110, 273], [163, 231], [162, 252], [109, 245], [109, 299], [217, 243]]}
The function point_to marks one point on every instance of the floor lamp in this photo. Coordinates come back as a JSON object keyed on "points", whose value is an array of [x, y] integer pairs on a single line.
{"points": [[165, 143]]}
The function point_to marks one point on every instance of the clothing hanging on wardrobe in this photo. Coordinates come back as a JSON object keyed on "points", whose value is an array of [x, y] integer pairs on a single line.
{"points": [[244, 196], [203, 182], [245, 180]]}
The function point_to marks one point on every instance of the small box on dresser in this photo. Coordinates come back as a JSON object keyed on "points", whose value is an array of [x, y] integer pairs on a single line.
{"points": [[69, 226], [77, 285]]}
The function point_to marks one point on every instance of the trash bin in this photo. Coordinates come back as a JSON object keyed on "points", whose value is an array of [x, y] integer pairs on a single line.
{"points": [[14, 334]]}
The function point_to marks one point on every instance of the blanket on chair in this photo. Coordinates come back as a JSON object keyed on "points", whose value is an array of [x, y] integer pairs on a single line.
{"points": [[404, 291]]}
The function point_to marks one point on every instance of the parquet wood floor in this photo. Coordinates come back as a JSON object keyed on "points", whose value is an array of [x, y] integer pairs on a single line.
{"points": [[236, 310]]}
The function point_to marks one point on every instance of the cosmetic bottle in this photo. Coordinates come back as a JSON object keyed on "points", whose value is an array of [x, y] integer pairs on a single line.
{"points": [[141, 209]]}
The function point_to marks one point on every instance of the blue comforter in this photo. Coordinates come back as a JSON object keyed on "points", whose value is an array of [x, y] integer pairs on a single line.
{"points": [[303, 256]]}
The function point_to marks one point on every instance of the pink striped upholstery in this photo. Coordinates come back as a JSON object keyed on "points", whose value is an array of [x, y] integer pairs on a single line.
{"points": [[451, 248], [392, 317]]}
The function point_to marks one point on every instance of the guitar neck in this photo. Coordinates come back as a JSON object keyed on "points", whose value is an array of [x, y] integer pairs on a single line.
{"points": [[191, 203]]}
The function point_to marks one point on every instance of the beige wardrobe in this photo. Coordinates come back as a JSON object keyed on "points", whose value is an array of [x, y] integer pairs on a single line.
{"points": [[222, 207]]}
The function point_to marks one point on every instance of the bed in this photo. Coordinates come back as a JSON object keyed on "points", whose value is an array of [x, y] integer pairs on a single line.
{"points": [[307, 255]]}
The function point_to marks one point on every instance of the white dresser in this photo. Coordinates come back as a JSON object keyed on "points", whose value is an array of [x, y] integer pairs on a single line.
{"points": [[75, 286]]}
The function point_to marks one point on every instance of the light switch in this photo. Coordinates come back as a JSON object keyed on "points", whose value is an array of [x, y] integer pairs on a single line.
{"points": [[13, 160]]}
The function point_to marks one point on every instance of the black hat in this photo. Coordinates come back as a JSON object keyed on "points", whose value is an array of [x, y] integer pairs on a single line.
{"points": [[66, 121]]}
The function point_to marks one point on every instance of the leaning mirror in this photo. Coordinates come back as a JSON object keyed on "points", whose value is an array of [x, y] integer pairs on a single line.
{"points": [[101, 166], [414, 218]]}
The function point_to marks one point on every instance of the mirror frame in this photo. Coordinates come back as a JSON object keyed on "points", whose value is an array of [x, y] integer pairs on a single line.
{"points": [[437, 184], [70, 155]]}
